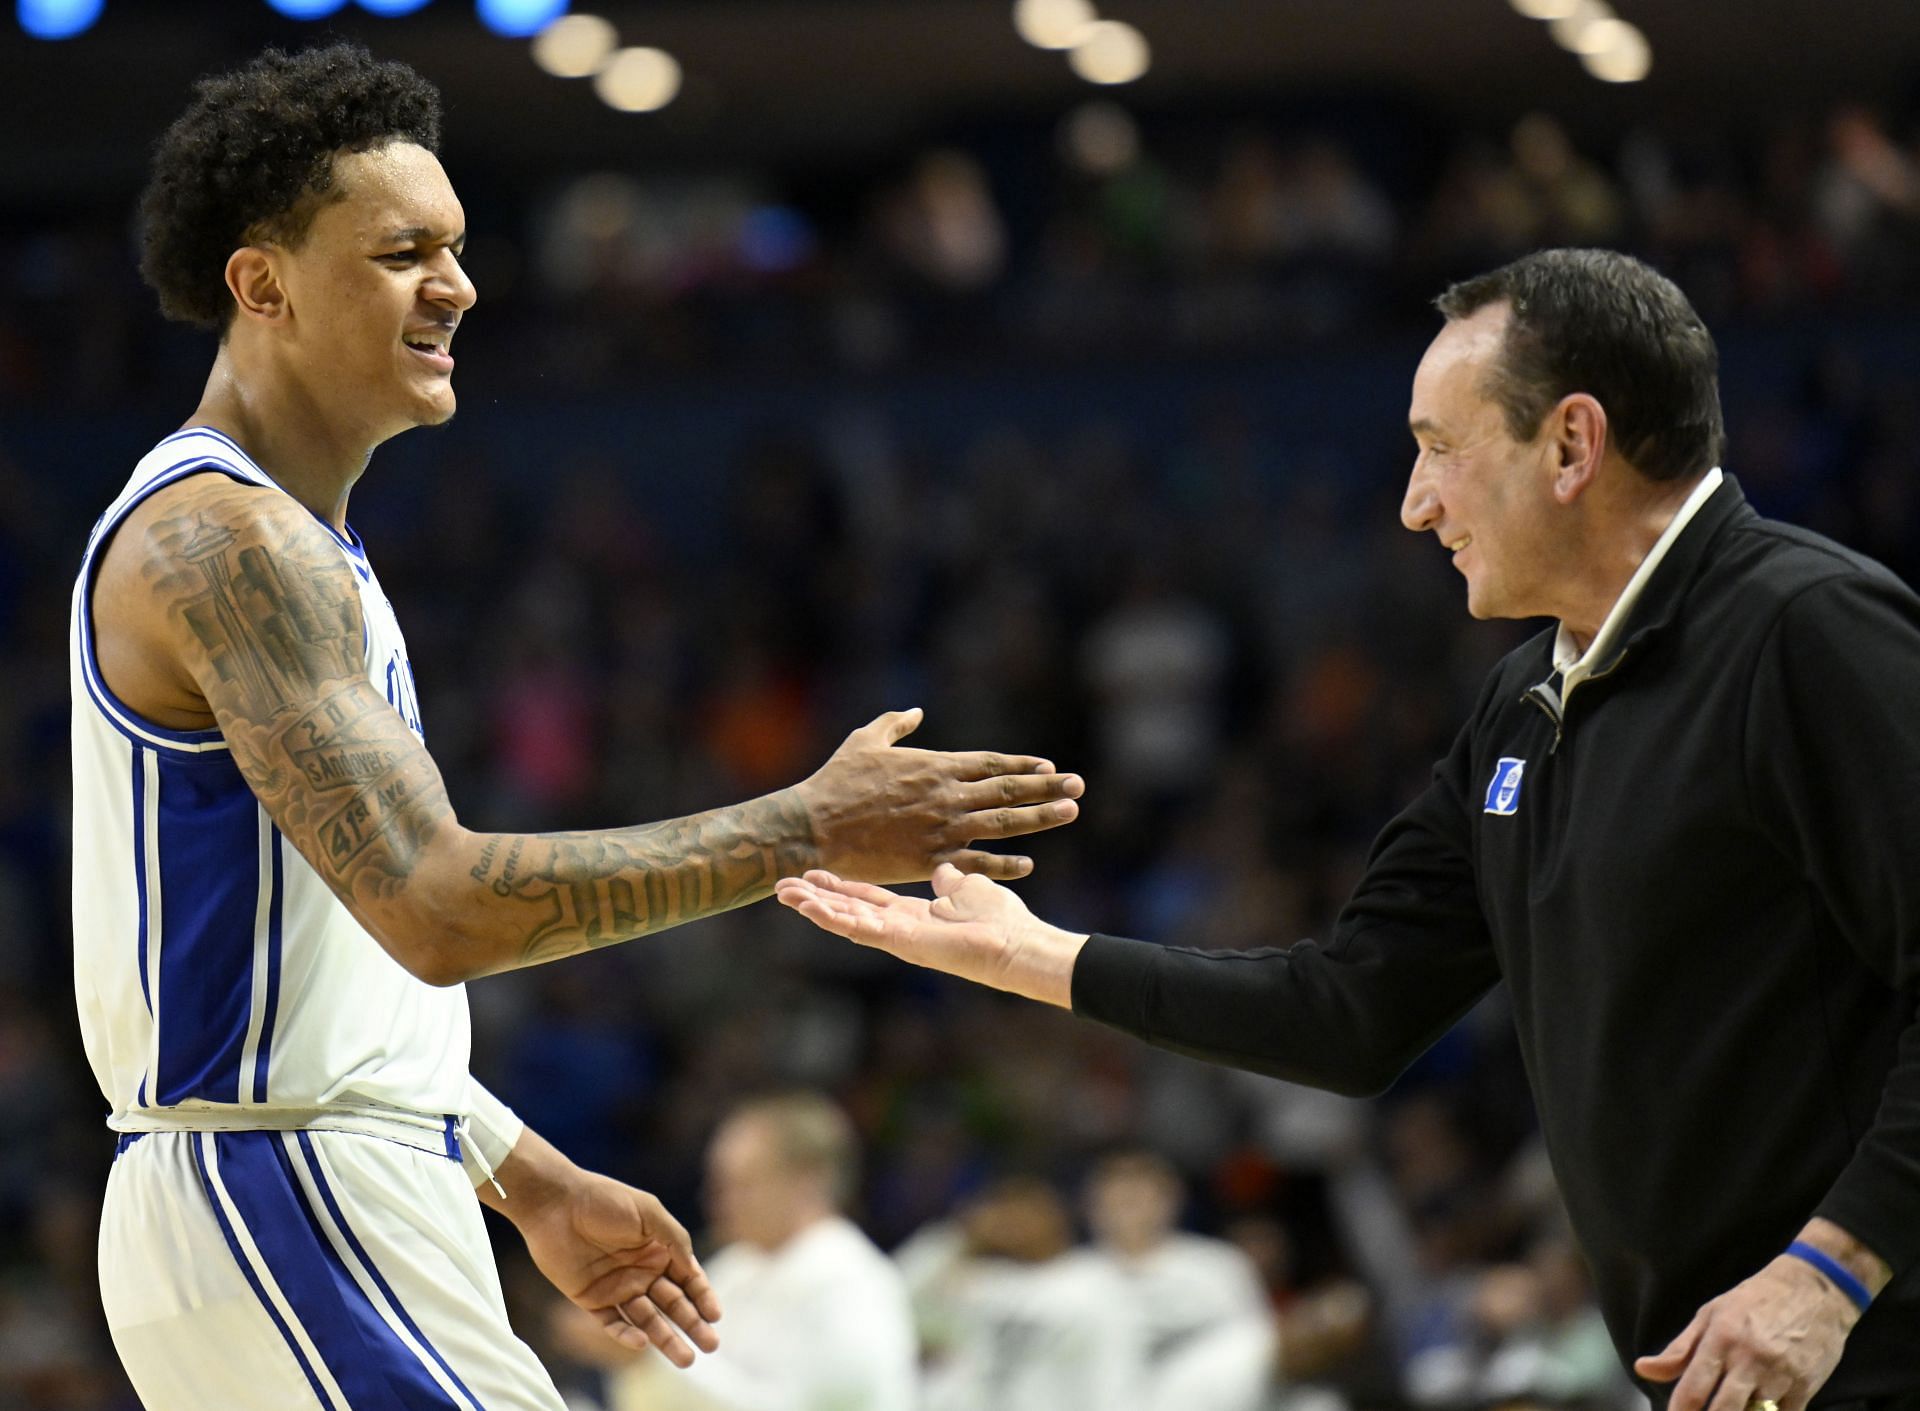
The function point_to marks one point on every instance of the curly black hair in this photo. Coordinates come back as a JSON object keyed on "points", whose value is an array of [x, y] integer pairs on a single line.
{"points": [[243, 161]]}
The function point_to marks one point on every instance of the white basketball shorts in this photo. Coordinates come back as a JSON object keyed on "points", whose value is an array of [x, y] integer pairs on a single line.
{"points": [[287, 1271]]}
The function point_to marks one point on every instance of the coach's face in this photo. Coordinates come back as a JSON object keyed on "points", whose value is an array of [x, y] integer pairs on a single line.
{"points": [[1487, 497], [375, 291]]}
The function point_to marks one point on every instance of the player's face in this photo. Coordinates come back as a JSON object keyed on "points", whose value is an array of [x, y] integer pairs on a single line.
{"points": [[1487, 497], [375, 291]]}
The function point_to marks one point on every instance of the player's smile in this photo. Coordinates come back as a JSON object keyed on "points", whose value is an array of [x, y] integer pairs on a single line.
{"points": [[431, 347]]}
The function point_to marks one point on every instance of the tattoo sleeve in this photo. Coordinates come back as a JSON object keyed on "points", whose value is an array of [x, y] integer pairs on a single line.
{"points": [[267, 615]]}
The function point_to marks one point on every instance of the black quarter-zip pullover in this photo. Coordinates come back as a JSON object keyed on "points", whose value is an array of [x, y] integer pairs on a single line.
{"points": [[1699, 877]]}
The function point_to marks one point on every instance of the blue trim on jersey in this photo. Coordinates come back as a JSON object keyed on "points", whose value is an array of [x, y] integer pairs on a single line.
{"points": [[275, 880], [246, 1267], [140, 885], [140, 867], [208, 842], [349, 541], [360, 1253], [118, 713]]}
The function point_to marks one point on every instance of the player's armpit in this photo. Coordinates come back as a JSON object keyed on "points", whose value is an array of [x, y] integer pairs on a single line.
{"points": [[262, 611]]}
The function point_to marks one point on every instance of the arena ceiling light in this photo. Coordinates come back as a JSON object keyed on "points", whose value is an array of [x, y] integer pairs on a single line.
{"points": [[57, 19], [575, 46], [1572, 32], [1545, 9], [305, 9], [1053, 24], [388, 8], [1621, 53], [1113, 51], [519, 19], [638, 80], [1610, 49]]}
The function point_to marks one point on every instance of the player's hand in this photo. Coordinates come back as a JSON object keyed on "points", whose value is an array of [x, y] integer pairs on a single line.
{"points": [[1774, 1337], [882, 813], [973, 928], [618, 1254]]}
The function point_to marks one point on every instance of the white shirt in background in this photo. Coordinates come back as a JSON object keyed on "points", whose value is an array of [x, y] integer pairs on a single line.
{"points": [[821, 1324], [1007, 1336], [1209, 1329]]}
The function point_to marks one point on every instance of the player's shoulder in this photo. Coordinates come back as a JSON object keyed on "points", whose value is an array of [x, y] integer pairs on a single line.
{"points": [[212, 517]]}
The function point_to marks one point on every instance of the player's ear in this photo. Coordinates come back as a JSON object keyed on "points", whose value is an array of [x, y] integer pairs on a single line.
{"points": [[255, 284]]}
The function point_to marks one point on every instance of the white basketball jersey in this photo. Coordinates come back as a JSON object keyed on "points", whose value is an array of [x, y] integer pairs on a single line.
{"points": [[220, 982]]}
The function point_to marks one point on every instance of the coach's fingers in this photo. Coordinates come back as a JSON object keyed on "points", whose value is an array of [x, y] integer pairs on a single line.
{"points": [[1696, 1385], [1736, 1390], [859, 891], [1000, 867], [1671, 1360], [831, 913]]}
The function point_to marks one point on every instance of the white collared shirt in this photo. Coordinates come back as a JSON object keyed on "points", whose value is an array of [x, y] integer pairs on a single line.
{"points": [[1574, 665]]}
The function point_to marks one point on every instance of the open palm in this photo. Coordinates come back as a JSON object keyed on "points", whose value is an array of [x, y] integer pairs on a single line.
{"points": [[969, 929]]}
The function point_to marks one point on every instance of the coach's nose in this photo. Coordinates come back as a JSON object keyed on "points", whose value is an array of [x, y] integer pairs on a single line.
{"points": [[1420, 506]]}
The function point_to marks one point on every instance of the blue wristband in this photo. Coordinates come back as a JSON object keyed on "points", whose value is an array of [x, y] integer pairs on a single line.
{"points": [[1835, 1271]]}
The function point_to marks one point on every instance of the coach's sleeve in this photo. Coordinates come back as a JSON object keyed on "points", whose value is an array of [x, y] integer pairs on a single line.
{"points": [[1409, 955], [1833, 756]]}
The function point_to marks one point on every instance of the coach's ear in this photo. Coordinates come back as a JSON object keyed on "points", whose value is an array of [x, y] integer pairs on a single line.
{"points": [[1578, 428], [255, 284]]}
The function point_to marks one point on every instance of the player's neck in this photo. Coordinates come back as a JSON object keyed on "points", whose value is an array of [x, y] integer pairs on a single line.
{"points": [[280, 425]]}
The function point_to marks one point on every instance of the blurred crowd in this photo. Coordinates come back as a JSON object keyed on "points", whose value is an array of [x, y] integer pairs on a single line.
{"points": [[1193, 589]]}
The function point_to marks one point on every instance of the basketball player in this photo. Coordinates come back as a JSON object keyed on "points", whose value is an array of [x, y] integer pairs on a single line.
{"points": [[275, 906]]}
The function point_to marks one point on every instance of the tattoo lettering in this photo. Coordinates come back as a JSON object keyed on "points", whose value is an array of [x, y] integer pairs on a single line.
{"points": [[480, 869], [504, 885], [586, 890]]}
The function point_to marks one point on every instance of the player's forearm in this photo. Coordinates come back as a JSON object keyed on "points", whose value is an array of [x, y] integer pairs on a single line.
{"points": [[499, 901]]}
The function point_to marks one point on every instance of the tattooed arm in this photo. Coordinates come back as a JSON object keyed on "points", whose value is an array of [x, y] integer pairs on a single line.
{"points": [[225, 603]]}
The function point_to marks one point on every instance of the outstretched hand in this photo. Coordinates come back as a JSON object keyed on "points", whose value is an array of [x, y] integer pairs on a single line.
{"points": [[884, 813], [973, 928], [1776, 1336], [616, 1253]]}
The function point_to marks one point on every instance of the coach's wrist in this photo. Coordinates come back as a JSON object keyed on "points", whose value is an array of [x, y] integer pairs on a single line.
{"points": [[1872, 1272]]}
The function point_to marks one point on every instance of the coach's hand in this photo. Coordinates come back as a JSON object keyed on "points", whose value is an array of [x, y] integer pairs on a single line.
{"points": [[882, 813], [1774, 1337], [611, 1249], [972, 928]]}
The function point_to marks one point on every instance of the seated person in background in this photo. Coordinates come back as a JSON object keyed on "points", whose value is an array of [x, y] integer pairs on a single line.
{"points": [[817, 1317], [1209, 1327], [1012, 1319]]}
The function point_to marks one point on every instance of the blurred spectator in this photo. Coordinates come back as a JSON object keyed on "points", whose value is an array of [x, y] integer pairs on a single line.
{"points": [[817, 1319], [1011, 1320], [1209, 1329]]}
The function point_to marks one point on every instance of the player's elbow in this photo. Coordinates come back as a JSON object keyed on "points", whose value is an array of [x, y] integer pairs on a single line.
{"points": [[434, 934]]}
